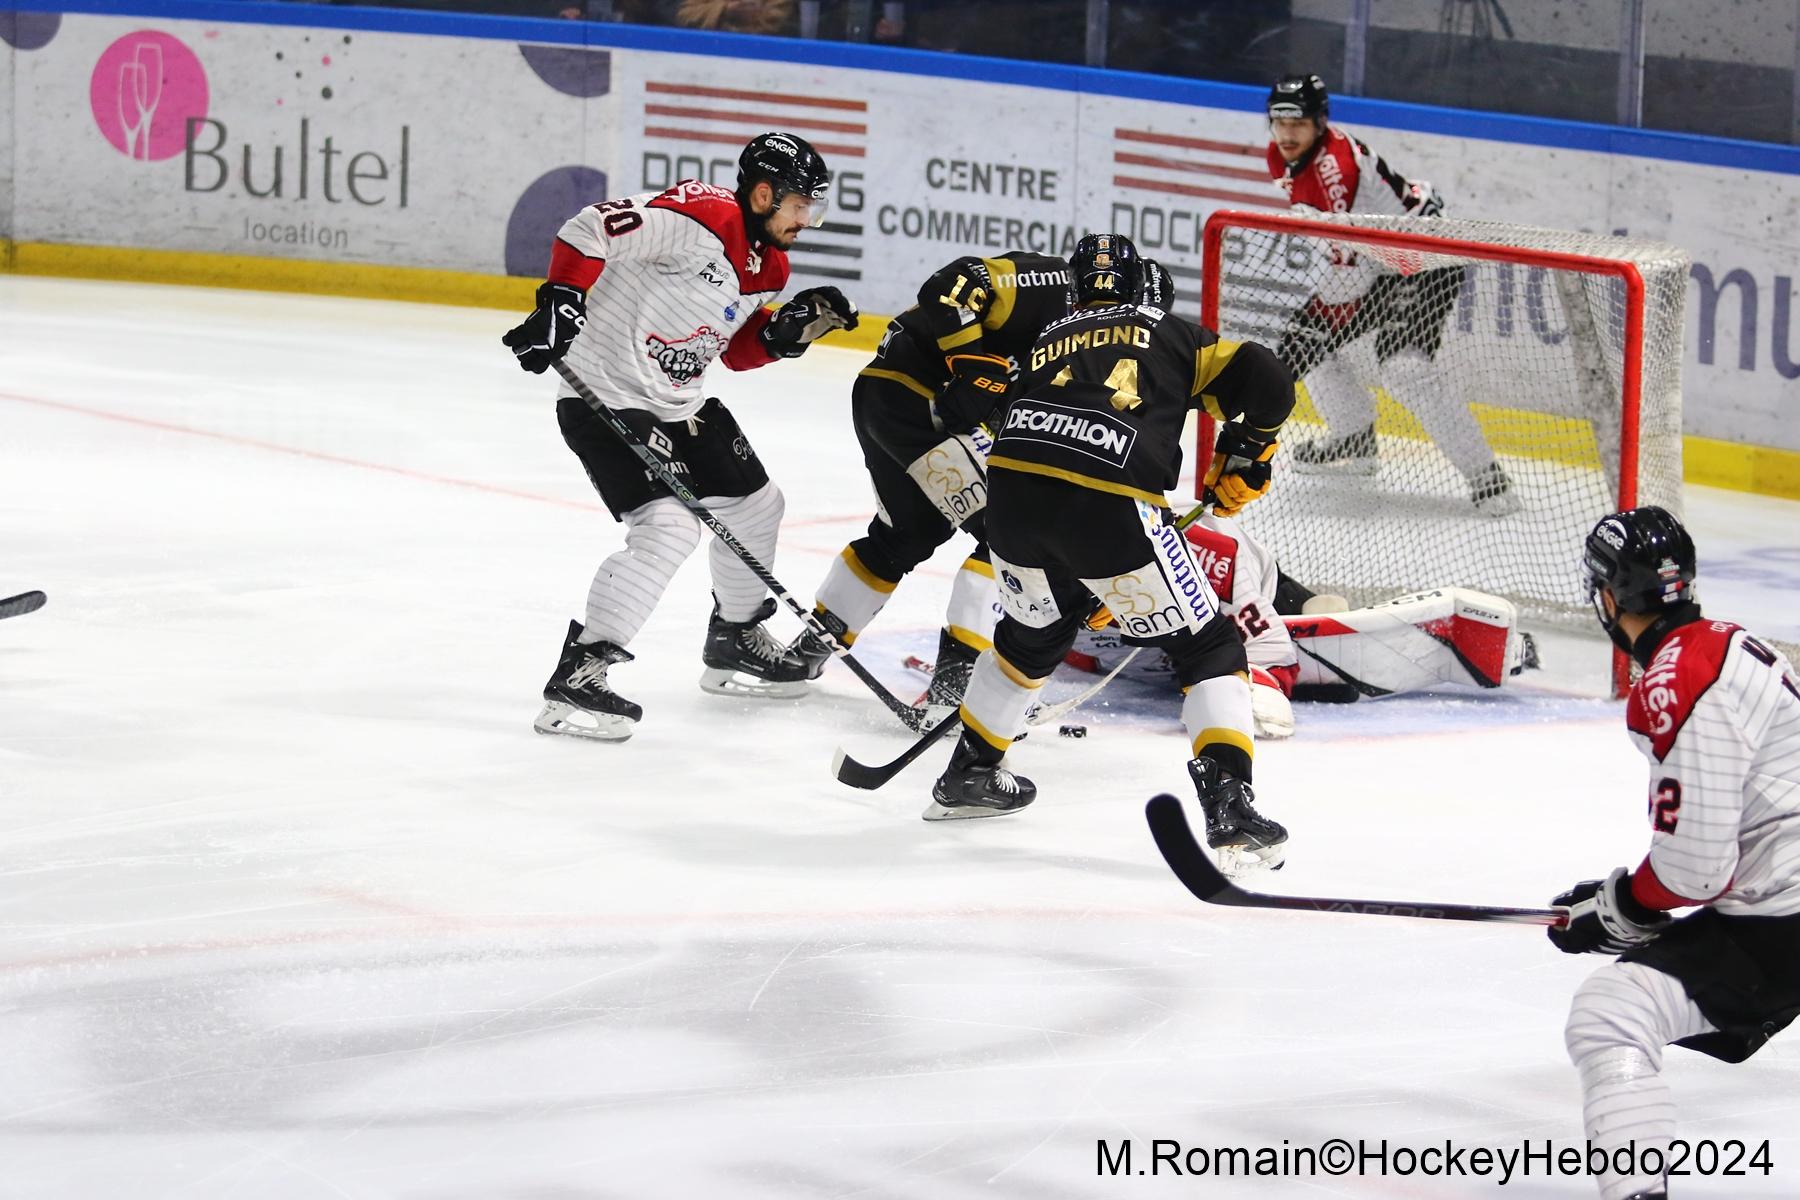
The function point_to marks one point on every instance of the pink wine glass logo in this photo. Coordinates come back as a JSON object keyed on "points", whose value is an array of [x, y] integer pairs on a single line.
{"points": [[145, 89]]}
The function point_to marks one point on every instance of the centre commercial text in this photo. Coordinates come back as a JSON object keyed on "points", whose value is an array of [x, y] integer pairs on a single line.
{"points": [[926, 222]]}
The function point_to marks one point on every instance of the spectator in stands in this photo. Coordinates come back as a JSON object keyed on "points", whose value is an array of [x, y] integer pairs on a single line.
{"points": [[738, 16]]}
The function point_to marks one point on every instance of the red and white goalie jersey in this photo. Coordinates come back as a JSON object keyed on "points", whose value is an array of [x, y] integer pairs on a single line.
{"points": [[1717, 713], [1411, 643], [673, 284]]}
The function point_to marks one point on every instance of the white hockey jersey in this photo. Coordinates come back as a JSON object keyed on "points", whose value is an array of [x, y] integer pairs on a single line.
{"points": [[673, 284], [1717, 713]]}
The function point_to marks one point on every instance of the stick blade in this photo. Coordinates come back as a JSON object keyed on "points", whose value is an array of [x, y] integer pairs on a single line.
{"points": [[19, 605], [1191, 862], [851, 773]]}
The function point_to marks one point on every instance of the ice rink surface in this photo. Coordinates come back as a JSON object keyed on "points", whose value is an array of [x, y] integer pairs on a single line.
{"points": [[297, 905]]}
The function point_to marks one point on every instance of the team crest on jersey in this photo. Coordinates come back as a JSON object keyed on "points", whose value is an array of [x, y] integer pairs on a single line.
{"points": [[683, 361], [752, 261]]}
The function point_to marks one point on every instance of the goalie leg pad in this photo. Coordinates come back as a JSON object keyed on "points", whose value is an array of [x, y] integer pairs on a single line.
{"points": [[1269, 707], [1411, 643]]}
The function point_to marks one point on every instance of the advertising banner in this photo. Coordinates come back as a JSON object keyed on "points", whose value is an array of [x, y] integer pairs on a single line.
{"points": [[465, 153]]}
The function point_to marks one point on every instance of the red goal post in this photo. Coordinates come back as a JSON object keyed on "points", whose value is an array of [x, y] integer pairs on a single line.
{"points": [[1549, 357]]}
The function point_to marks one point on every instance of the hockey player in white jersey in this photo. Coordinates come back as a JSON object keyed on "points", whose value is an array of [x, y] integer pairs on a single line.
{"points": [[676, 280], [1717, 714], [1367, 326], [1306, 646]]}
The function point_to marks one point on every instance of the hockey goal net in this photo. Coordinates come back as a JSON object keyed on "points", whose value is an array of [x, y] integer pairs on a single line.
{"points": [[1474, 396]]}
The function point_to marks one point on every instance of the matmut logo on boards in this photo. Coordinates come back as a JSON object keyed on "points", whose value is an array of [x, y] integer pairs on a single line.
{"points": [[696, 131], [1168, 184]]}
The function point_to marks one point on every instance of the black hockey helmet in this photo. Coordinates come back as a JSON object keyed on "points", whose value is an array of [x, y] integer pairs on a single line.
{"points": [[1642, 556], [1105, 268], [789, 164], [1295, 96]]}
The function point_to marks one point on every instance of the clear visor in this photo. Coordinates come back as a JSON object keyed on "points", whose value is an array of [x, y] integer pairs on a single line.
{"points": [[808, 209]]}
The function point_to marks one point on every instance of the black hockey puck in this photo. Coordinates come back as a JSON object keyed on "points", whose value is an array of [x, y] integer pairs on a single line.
{"points": [[1074, 731]]}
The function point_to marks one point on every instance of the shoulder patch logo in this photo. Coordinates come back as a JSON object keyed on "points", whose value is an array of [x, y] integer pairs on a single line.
{"points": [[714, 274]]}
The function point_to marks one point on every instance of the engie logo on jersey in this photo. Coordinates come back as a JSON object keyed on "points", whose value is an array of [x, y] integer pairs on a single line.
{"points": [[685, 360], [1081, 430]]}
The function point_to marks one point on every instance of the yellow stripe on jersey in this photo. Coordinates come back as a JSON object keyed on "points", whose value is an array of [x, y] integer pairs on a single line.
{"points": [[1219, 736], [1004, 273], [970, 638], [962, 337], [906, 381], [1017, 676], [980, 566], [1209, 361], [1079, 480], [874, 581]]}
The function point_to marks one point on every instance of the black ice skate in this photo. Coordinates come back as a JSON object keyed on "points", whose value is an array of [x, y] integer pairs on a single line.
{"points": [[742, 659], [1352, 454], [970, 788], [950, 673], [1241, 837], [1493, 493], [814, 650], [578, 701]]}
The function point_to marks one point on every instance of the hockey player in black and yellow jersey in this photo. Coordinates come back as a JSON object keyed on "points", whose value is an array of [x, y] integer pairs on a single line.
{"points": [[944, 367], [1076, 515]]}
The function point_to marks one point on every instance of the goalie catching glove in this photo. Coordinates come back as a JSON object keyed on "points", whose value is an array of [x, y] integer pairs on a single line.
{"points": [[1605, 918], [978, 384], [809, 316], [1240, 467], [544, 336]]}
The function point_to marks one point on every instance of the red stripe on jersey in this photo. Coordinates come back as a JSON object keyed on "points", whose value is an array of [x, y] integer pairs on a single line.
{"points": [[1686, 665], [746, 351], [1650, 891], [569, 265]]}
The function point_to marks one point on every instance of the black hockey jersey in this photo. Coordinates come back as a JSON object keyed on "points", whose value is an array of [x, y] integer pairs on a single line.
{"points": [[987, 306], [1107, 390]]}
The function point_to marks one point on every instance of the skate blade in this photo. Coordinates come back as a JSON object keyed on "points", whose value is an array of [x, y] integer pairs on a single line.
{"points": [[1235, 862], [964, 812], [722, 682], [570, 721]]}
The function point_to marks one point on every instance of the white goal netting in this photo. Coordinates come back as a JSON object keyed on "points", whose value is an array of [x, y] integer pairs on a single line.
{"points": [[1474, 396]]}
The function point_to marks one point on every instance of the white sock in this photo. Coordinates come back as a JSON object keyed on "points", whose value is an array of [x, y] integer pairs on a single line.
{"points": [[852, 593], [658, 538], [974, 607], [1217, 712], [755, 520], [1619, 1021]]}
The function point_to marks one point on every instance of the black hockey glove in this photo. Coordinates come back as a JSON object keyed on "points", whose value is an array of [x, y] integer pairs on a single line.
{"points": [[544, 336], [1605, 918], [809, 316], [979, 383], [1240, 469]]}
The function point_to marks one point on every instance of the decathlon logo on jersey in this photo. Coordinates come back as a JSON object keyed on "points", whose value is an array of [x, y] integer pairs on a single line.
{"points": [[1081, 430], [685, 360]]}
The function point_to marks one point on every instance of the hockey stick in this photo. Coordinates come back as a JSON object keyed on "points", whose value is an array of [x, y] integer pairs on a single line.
{"points": [[19, 605], [908, 715], [861, 775], [1055, 712], [1195, 868]]}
